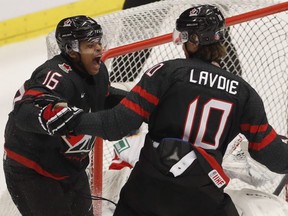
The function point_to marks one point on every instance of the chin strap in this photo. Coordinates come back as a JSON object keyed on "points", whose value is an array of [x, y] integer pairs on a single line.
{"points": [[77, 63]]}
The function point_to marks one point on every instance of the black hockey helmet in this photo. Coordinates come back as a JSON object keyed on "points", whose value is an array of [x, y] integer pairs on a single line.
{"points": [[204, 23], [71, 30]]}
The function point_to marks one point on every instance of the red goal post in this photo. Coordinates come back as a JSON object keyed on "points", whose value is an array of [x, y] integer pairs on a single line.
{"points": [[140, 37], [167, 38]]}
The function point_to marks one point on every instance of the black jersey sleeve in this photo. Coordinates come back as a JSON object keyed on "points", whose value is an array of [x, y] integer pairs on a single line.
{"points": [[265, 145], [44, 87], [114, 97], [111, 124], [132, 111]]}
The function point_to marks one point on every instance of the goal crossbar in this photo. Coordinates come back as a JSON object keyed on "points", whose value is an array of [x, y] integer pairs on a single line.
{"points": [[166, 38]]}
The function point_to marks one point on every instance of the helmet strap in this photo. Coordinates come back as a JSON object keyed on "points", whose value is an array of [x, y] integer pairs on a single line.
{"points": [[78, 64], [190, 49]]}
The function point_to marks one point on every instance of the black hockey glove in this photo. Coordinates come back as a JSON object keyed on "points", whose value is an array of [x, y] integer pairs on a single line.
{"points": [[59, 119]]}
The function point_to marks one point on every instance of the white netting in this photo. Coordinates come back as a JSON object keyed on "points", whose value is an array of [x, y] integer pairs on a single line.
{"points": [[257, 50]]}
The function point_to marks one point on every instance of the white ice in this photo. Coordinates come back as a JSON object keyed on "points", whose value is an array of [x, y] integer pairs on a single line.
{"points": [[17, 62]]}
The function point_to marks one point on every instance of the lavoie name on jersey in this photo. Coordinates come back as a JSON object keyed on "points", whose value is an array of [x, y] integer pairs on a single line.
{"points": [[214, 80]]}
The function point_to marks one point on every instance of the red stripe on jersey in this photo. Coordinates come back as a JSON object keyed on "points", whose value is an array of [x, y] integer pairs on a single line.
{"points": [[32, 165], [266, 141], [254, 128], [143, 93], [33, 92], [213, 163], [135, 108]]}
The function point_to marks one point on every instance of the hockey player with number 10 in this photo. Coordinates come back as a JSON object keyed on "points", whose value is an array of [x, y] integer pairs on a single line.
{"points": [[193, 109]]}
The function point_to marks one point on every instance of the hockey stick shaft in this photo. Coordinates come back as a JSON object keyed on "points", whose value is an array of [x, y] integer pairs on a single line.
{"points": [[281, 185]]}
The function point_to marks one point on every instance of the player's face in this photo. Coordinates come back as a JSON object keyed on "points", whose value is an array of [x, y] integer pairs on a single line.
{"points": [[91, 52]]}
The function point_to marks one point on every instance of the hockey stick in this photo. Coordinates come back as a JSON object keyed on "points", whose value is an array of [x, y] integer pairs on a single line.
{"points": [[284, 180], [283, 137], [281, 185]]}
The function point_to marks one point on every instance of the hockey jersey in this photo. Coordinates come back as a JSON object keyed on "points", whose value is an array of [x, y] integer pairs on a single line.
{"points": [[27, 143], [195, 101]]}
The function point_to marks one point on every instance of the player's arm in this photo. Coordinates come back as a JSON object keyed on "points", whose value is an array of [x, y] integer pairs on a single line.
{"points": [[37, 108], [110, 124], [265, 145], [131, 112], [114, 97], [45, 113]]}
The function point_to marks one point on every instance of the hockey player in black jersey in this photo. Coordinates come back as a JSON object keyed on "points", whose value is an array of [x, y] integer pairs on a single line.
{"points": [[45, 173], [193, 109]]}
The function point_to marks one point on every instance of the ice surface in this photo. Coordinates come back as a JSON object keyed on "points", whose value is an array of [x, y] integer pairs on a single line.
{"points": [[17, 62]]}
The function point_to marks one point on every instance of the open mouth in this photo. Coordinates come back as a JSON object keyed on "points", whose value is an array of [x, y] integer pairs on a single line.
{"points": [[97, 60]]}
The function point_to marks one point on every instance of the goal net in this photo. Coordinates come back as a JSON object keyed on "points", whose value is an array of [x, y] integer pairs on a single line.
{"points": [[256, 40]]}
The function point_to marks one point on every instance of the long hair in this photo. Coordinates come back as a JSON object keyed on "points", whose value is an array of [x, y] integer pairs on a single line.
{"points": [[212, 52]]}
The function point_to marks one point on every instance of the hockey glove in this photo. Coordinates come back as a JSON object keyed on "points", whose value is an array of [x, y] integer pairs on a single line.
{"points": [[59, 119]]}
